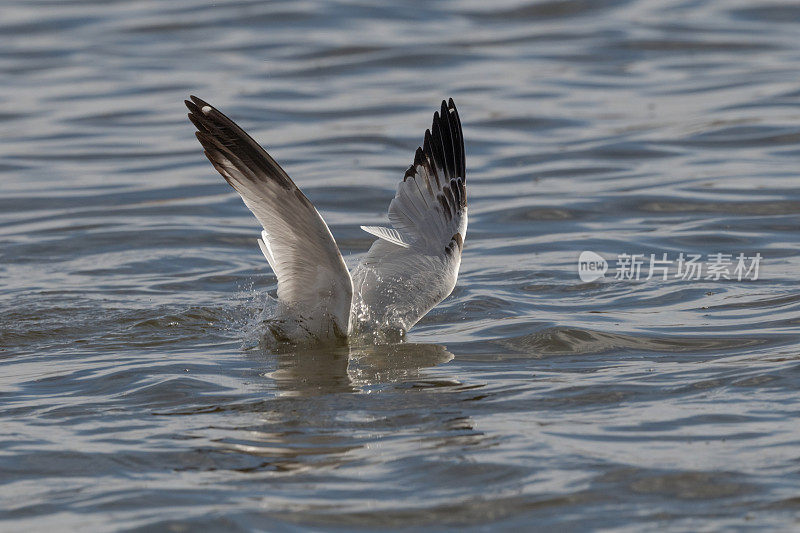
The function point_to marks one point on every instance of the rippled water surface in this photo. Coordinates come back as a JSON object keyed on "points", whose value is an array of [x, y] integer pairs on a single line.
{"points": [[134, 392]]}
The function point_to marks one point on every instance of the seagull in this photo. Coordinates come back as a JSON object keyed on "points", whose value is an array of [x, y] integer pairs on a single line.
{"points": [[412, 266]]}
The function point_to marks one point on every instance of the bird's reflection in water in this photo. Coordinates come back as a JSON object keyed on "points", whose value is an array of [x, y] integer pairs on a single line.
{"points": [[326, 405], [351, 368]]}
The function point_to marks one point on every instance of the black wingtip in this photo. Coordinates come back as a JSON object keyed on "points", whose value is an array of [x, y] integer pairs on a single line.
{"points": [[195, 119], [196, 104], [198, 101], [442, 157]]}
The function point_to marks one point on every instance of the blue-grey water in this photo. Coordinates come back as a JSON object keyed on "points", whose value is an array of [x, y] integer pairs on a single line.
{"points": [[135, 393]]}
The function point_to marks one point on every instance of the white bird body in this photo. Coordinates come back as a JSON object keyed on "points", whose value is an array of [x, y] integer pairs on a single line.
{"points": [[410, 268], [394, 288]]}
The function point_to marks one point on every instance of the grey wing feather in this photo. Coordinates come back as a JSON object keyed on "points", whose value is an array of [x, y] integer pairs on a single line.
{"points": [[312, 276], [397, 283], [430, 205]]}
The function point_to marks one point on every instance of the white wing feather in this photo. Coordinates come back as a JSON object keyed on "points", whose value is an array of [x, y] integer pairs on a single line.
{"points": [[313, 281], [387, 234], [397, 283]]}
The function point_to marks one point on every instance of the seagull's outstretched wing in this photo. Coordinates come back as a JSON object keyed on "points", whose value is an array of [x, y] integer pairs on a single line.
{"points": [[313, 281], [431, 201], [414, 265]]}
